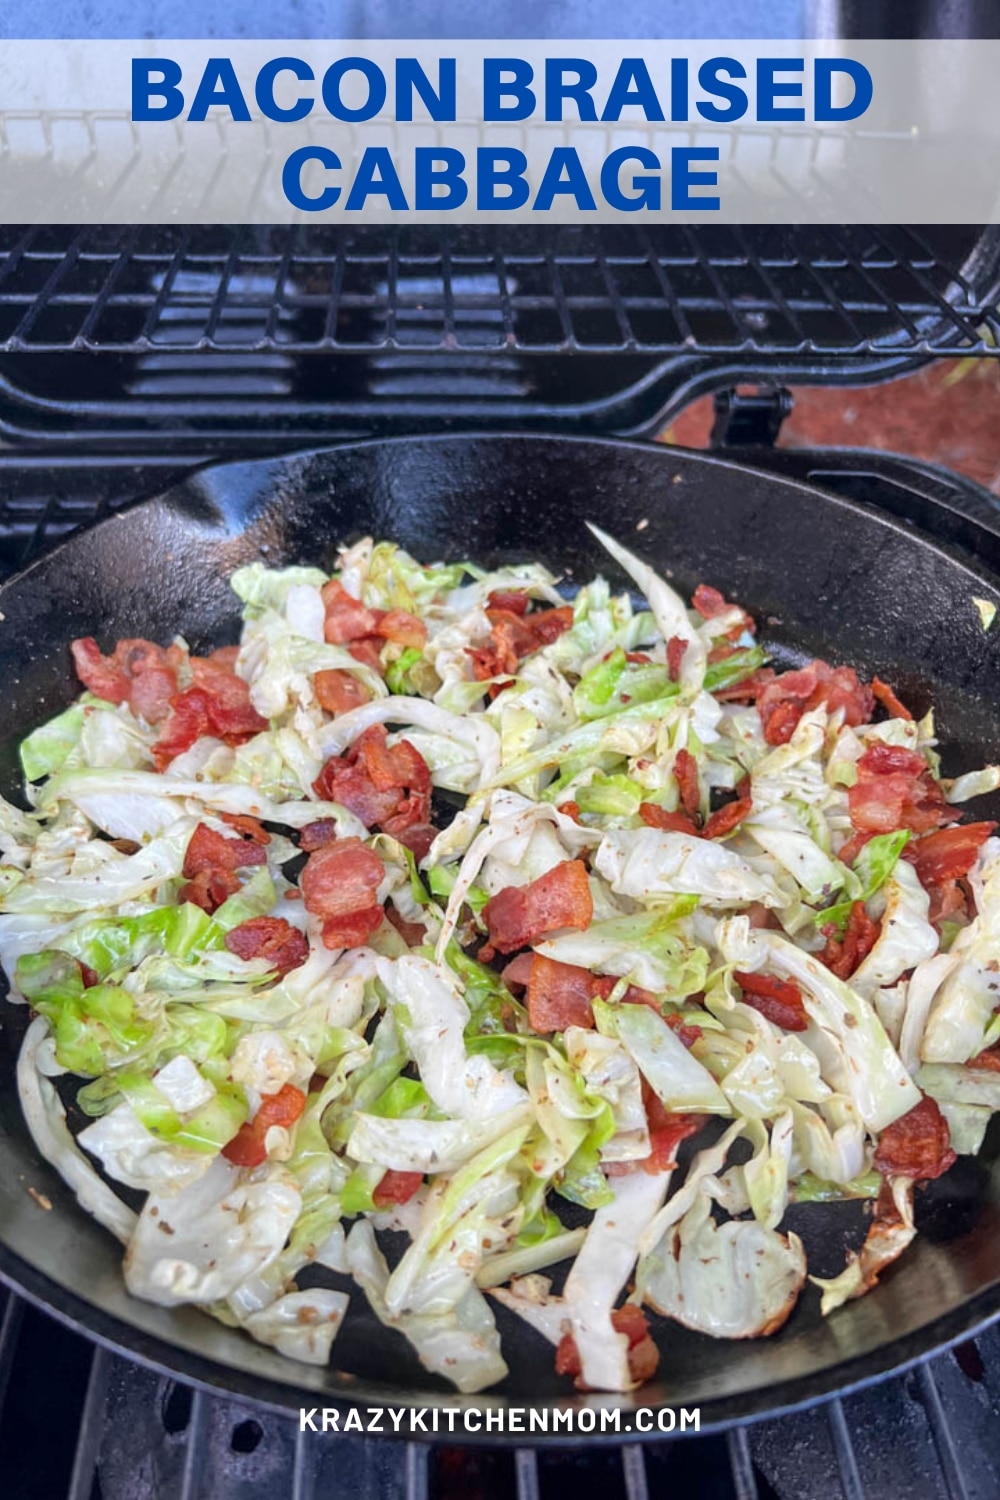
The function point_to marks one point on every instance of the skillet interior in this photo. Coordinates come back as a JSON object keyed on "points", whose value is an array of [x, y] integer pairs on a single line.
{"points": [[823, 576]]}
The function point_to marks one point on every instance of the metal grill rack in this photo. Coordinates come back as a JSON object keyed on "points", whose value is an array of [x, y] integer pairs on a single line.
{"points": [[123, 1431], [315, 332], [694, 289]]}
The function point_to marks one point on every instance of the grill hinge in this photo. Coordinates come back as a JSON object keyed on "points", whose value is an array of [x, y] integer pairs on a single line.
{"points": [[749, 417]]}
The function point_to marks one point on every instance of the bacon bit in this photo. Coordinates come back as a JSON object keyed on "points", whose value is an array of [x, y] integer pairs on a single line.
{"points": [[778, 1000], [559, 995], [209, 889], [759, 915], [251, 828], [414, 934], [513, 601], [666, 1131], [643, 1355], [417, 837], [514, 636], [208, 850], [684, 1033], [570, 810], [676, 648], [403, 628], [339, 884], [885, 695], [396, 1187], [89, 976], [917, 1146], [520, 915], [383, 785], [655, 816], [138, 672], [732, 814], [368, 651], [895, 789], [950, 853], [346, 618], [843, 955], [987, 1061], [338, 691], [791, 694], [100, 673], [637, 658], [850, 850], [749, 690], [314, 835], [949, 901], [517, 973], [126, 846], [710, 604], [247, 1147], [686, 776], [292, 894], [283, 946], [218, 703]]}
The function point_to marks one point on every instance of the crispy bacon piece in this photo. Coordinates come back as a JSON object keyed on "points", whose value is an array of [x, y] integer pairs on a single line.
{"points": [[218, 703], [339, 884], [710, 603], [338, 691], [850, 850], [666, 1131], [514, 601], [570, 810], [138, 672], [414, 934], [559, 995], [685, 1033], [384, 785], [791, 694], [885, 695], [209, 889], [686, 776], [283, 945], [895, 789], [778, 1000], [396, 1187], [247, 1147], [842, 955], [731, 814], [368, 651], [655, 816], [676, 648], [346, 618], [250, 828], [987, 1061], [403, 628], [208, 850], [749, 690], [917, 1146], [314, 835], [522, 915], [950, 853], [643, 1355], [514, 635]]}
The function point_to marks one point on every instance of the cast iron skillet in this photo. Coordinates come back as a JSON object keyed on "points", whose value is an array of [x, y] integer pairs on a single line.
{"points": [[824, 576]]}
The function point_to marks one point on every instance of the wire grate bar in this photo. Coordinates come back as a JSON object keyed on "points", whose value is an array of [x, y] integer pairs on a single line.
{"points": [[304, 1471], [417, 1471], [947, 1456], [843, 1447], [88, 1443], [195, 1446], [526, 1474], [634, 1472], [10, 1328], [741, 1464]]}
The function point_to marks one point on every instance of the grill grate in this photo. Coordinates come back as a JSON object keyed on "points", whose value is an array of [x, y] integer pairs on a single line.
{"points": [[766, 290]]}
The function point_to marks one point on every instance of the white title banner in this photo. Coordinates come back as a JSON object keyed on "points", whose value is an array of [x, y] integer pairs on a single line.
{"points": [[506, 132]]}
